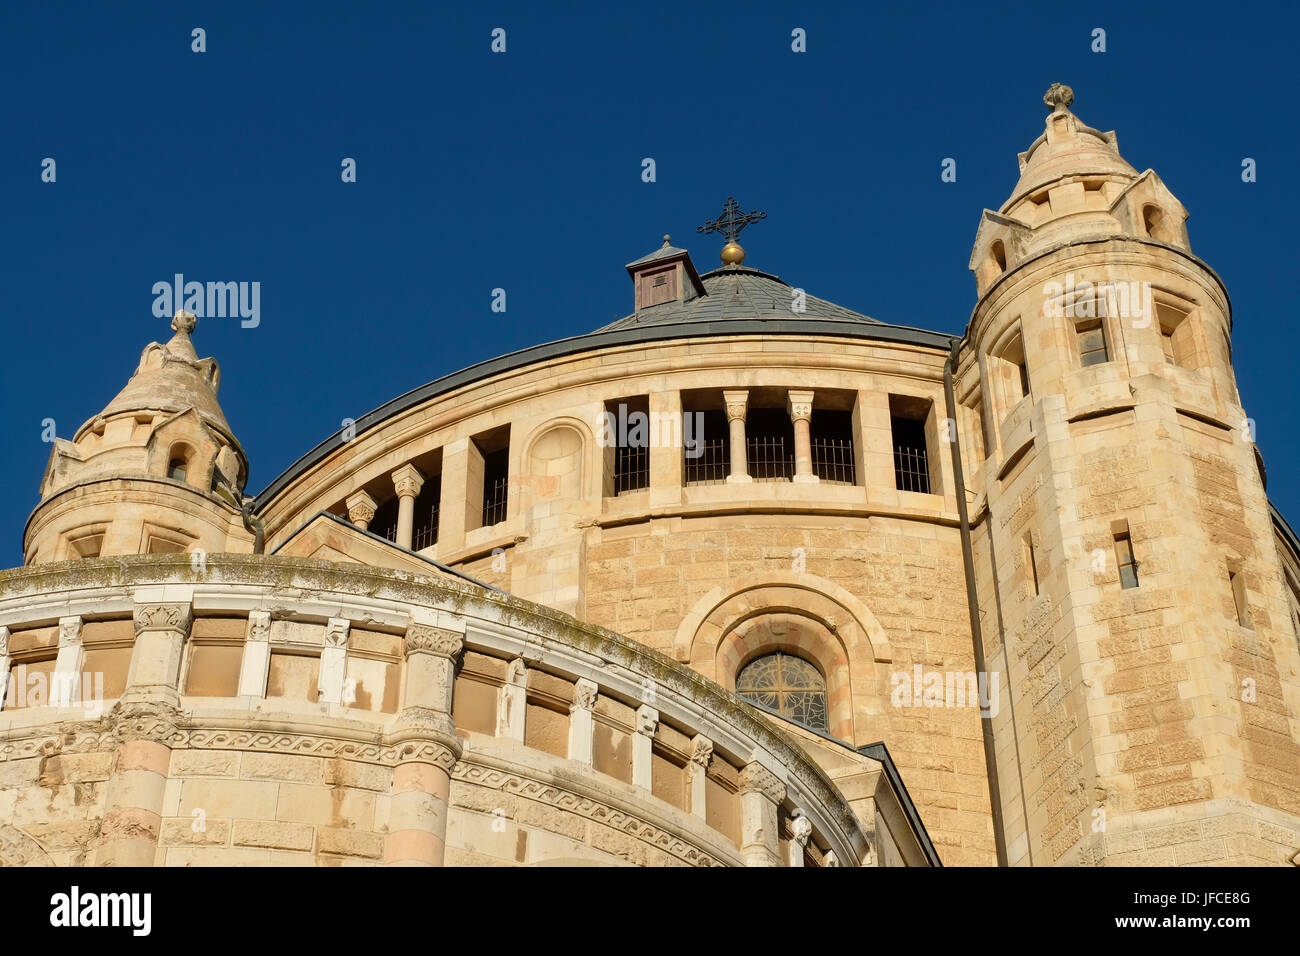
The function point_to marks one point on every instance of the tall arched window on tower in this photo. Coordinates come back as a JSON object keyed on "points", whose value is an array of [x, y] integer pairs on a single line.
{"points": [[789, 685]]}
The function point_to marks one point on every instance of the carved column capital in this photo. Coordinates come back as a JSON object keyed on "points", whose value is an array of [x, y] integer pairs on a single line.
{"points": [[801, 829], [361, 508], [336, 632], [4, 641], [259, 626], [800, 405], [736, 402], [584, 695], [647, 720], [426, 639], [407, 481], [755, 778], [70, 631], [155, 617], [701, 751]]}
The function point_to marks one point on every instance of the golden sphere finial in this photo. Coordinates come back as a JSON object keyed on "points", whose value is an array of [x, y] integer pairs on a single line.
{"points": [[732, 254]]}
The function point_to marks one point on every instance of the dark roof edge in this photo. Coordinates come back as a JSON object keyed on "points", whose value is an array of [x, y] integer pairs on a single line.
{"points": [[392, 544], [596, 340], [1285, 527], [878, 751]]}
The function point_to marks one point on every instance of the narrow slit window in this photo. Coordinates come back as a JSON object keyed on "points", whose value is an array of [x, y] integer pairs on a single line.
{"points": [[1238, 585], [1128, 567], [1031, 566]]}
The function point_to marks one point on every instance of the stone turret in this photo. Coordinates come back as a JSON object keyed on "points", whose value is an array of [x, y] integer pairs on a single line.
{"points": [[1123, 538], [158, 470]]}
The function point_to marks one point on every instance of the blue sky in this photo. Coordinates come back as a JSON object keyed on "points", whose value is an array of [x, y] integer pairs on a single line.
{"points": [[523, 171]]}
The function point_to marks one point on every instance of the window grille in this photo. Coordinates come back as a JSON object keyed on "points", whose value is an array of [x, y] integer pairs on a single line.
{"points": [[711, 466], [631, 469], [494, 502], [833, 460], [769, 460]]}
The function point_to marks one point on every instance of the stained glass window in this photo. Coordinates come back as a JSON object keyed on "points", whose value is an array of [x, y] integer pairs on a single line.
{"points": [[788, 685]]}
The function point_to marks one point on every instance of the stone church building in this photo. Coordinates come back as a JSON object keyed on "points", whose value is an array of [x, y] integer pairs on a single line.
{"points": [[745, 578]]}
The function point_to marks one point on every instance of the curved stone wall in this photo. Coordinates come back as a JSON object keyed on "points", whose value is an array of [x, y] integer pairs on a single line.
{"points": [[269, 710]]}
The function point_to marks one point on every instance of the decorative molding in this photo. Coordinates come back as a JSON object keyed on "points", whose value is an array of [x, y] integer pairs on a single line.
{"points": [[582, 806], [517, 673], [70, 631], [4, 641], [336, 632], [801, 828], [259, 626], [755, 778], [160, 617], [701, 751], [584, 694], [647, 720], [425, 639]]}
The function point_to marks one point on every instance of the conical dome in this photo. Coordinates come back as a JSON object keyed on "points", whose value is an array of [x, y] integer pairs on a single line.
{"points": [[172, 378], [1067, 148]]}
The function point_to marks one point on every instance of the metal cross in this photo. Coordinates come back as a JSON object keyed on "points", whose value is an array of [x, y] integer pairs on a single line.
{"points": [[731, 221]]}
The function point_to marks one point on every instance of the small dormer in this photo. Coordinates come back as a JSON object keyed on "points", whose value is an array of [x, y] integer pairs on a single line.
{"points": [[665, 275]]}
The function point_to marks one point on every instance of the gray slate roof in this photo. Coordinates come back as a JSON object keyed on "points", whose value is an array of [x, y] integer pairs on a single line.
{"points": [[738, 293]]}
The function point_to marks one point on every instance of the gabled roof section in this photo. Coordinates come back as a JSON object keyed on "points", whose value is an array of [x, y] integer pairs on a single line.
{"points": [[327, 537]]}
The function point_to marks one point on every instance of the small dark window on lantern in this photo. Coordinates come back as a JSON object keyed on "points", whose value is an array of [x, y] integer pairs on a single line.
{"points": [[789, 685], [176, 469]]}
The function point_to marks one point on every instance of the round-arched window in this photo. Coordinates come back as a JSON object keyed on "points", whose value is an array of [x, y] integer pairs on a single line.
{"points": [[786, 684]]}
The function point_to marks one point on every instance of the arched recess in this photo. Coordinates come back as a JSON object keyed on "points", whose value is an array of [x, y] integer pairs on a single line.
{"points": [[558, 463], [842, 613], [796, 612]]}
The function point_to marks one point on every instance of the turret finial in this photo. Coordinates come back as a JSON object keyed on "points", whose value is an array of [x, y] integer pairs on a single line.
{"points": [[1058, 97], [184, 322]]}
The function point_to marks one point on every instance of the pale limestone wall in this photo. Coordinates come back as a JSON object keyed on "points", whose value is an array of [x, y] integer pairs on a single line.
{"points": [[642, 563], [1128, 702], [518, 736]]}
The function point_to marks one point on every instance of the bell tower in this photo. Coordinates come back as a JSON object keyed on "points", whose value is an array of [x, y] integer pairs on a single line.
{"points": [[158, 470], [1130, 588]]}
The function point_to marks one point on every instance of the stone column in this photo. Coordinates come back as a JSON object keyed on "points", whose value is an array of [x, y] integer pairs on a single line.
{"points": [[334, 661], [737, 402], [256, 663], [427, 749], [512, 701], [66, 679], [144, 719], [160, 632], [408, 481], [580, 720], [647, 721], [801, 830], [5, 664], [698, 771], [800, 407], [361, 509], [760, 795]]}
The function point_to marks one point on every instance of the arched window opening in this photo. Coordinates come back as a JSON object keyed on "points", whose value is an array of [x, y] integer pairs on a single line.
{"points": [[176, 468], [789, 685], [999, 254]]}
